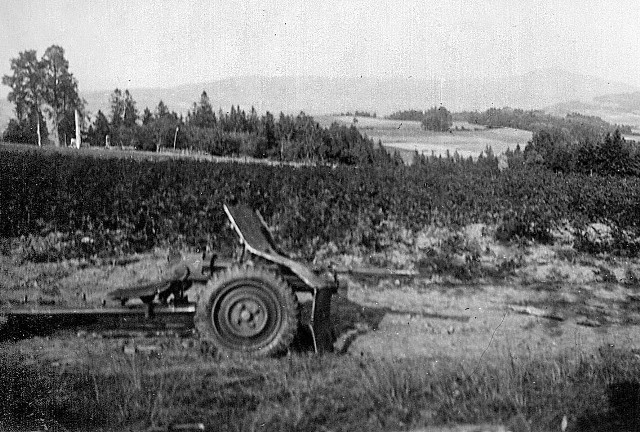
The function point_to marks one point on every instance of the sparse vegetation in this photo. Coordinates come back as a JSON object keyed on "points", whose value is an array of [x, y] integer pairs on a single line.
{"points": [[319, 393]]}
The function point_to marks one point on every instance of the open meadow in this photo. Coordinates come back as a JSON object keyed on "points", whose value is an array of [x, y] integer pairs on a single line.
{"points": [[408, 136], [522, 311]]}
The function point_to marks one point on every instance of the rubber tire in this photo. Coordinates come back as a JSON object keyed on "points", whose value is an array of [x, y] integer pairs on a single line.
{"points": [[263, 291]]}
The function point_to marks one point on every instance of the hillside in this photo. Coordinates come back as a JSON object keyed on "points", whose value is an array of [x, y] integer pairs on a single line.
{"points": [[320, 95], [621, 108], [408, 137]]}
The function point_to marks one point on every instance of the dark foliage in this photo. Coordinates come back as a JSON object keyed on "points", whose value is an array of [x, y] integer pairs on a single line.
{"points": [[25, 132], [562, 152], [234, 133], [437, 119], [578, 125], [114, 206]]}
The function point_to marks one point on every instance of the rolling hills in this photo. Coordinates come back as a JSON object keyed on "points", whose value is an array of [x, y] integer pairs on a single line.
{"points": [[620, 108], [323, 95]]}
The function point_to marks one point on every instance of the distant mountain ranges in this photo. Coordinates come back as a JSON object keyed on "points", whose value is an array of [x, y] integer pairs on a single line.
{"points": [[556, 91]]}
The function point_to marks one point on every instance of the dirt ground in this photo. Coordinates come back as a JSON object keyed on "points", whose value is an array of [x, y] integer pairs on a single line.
{"points": [[554, 303], [479, 323], [392, 318], [495, 301]]}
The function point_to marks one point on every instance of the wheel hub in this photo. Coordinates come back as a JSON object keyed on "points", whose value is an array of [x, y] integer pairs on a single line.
{"points": [[246, 316]]}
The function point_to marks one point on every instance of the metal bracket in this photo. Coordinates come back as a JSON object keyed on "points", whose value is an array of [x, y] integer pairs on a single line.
{"points": [[320, 324]]}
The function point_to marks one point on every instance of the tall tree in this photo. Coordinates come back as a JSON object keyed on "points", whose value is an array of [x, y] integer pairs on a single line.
{"points": [[147, 117], [117, 104], [130, 115], [60, 93], [437, 119], [100, 129], [202, 114], [26, 82], [164, 126], [161, 110]]}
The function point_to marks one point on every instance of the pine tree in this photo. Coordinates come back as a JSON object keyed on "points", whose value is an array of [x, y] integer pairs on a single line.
{"points": [[101, 129], [147, 117], [161, 110], [117, 105], [202, 114], [130, 115]]}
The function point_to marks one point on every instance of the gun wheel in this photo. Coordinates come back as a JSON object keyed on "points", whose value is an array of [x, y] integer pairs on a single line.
{"points": [[247, 311]]}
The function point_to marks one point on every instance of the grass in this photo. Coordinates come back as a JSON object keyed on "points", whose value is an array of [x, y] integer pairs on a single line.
{"points": [[408, 136], [300, 392], [163, 155]]}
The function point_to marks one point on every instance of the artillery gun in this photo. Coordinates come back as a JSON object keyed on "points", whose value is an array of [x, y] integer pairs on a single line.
{"points": [[246, 306]]}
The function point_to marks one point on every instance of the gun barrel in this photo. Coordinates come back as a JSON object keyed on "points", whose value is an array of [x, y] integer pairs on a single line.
{"points": [[372, 271]]}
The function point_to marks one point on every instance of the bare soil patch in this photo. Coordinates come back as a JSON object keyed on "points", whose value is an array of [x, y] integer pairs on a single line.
{"points": [[547, 305]]}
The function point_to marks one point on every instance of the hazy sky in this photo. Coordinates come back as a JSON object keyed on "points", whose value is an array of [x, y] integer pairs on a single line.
{"points": [[131, 44]]}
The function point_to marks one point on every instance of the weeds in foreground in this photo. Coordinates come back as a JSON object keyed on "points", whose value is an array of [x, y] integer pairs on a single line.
{"points": [[321, 393]]}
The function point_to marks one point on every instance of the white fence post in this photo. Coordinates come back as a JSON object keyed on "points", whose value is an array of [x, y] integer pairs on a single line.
{"points": [[78, 136]]}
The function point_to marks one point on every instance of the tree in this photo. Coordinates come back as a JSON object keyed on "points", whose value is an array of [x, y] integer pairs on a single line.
{"points": [[437, 119], [117, 104], [130, 114], [164, 126], [202, 114], [26, 82], [44, 85], [101, 129], [161, 110], [60, 93], [147, 117], [24, 132], [264, 147]]}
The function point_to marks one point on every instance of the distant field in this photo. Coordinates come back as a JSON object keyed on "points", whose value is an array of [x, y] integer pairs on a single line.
{"points": [[408, 136]]}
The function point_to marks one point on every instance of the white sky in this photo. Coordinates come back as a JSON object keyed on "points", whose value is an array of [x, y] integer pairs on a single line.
{"points": [[132, 44]]}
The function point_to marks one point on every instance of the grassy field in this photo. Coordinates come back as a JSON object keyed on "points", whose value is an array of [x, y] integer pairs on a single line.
{"points": [[130, 153], [409, 137], [109, 390]]}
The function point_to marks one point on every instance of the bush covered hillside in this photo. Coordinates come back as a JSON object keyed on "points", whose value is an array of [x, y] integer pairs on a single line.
{"points": [[577, 124], [84, 206]]}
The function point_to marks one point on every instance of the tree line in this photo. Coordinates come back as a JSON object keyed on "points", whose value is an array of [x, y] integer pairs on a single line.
{"points": [[45, 95], [537, 120], [437, 119], [232, 133], [574, 143], [559, 151]]}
